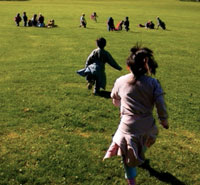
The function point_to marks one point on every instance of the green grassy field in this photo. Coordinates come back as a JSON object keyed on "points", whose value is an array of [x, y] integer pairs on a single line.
{"points": [[54, 131]]}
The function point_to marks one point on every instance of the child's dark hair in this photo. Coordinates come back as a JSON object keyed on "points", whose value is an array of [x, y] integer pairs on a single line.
{"points": [[141, 61], [101, 42]]}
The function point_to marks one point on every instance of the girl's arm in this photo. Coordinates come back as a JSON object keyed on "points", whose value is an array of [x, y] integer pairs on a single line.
{"points": [[160, 105], [162, 112]]}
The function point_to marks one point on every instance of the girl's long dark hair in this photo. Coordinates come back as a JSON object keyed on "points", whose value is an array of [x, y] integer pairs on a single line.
{"points": [[141, 61]]}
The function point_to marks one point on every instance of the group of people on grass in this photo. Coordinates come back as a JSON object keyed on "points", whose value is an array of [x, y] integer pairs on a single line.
{"points": [[119, 26], [39, 22], [136, 93], [110, 22], [36, 21], [111, 26], [151, 25]]}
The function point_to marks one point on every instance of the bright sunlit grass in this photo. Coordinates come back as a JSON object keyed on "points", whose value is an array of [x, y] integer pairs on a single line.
{"points": [[54, 131]]}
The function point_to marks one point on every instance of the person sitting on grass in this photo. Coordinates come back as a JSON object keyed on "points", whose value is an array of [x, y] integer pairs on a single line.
{"points": [[94, 70], [30, 23], [137, 93], [119, 26], [148, 25], [51, 24], [18, 19], [34, 20]]}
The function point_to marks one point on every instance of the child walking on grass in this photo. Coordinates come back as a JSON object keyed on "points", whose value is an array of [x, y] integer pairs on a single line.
{"points": [[136, 94], [94, 70]]}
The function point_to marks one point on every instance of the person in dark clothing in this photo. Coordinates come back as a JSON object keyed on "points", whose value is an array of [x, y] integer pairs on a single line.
{"points": [[41, 20], [30, 23], [110, 24], [161, 24], [126, 24], [34, 20], [94, 70], [25, 19], [150, 25], [18, 19]]}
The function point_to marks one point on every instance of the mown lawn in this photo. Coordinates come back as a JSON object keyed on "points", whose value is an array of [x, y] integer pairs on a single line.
{"points": [[54, 131]]}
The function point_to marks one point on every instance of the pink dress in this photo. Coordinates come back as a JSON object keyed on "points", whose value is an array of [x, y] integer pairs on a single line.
{"points": [[137, 129]]}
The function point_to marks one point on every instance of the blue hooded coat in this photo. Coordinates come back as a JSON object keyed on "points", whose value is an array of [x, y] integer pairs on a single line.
{"points": [[95, 65]]}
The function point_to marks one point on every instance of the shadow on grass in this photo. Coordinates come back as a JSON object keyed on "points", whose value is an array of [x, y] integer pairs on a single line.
{"points": [[104, 94], [162, 176]]}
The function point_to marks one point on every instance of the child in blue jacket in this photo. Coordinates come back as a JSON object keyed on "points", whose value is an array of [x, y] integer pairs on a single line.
{"points": [[94, 70]]}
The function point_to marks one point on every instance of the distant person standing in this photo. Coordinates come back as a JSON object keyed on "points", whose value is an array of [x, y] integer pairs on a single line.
{"points": [[41, 20], [110, 24], [161, 23], [126, 24], [25, 19], [18, 19], [34, 20], [83, 21]]}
